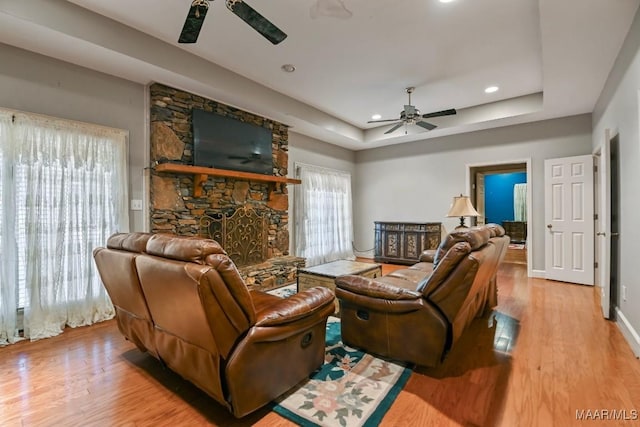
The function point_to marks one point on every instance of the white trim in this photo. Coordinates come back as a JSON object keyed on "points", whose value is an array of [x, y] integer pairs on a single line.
{"points": [[146, 171], [527, 162], [538, 274], [628, 332]]}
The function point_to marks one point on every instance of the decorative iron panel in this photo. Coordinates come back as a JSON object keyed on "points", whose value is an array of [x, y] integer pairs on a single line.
{"points": [[244, 235]]}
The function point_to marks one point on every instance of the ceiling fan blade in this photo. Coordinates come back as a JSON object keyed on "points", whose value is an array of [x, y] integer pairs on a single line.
{"points": [[383, 120], [440, 113], [394, 128], [193, 23], [256, 21], [426, 125]]}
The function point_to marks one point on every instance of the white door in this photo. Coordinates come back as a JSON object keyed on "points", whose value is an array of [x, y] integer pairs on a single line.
{"points": [[603, 239], [569, 218]]}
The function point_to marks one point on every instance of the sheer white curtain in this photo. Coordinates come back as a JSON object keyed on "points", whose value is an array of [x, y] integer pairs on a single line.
{"points": [[323, 215], [520, 202], [68, 193], [8, 288]]}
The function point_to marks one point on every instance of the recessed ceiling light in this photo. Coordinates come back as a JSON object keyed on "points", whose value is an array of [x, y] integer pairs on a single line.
{"points": [[376, 117], [446, 1], [288, 68], [491, 89]]}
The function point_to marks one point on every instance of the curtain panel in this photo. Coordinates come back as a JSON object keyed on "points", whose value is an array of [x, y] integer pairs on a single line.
{"points": [[323, 215], [520, 202], [64, 192]]}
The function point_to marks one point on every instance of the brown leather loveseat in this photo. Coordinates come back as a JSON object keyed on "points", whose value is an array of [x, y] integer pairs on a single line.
{"points": [[418, 313], [182, 300]]}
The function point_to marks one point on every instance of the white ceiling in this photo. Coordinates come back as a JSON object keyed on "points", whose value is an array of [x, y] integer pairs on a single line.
{"points": [[550, 58]]}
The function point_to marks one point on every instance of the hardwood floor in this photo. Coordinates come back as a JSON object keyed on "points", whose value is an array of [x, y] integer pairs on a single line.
{"points": [[546, 353]]}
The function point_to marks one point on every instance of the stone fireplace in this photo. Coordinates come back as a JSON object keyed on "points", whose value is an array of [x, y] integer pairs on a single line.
{"points": [[251, 214]]}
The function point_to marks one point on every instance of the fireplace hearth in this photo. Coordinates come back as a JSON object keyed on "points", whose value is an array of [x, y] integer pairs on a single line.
{"points": [[244, 235]]}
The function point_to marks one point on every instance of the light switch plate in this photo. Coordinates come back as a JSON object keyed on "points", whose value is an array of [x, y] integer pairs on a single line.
{"points": [[136, 205]]}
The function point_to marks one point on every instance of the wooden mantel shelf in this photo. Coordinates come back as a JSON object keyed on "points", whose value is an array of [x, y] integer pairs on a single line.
{"points": [[201, 174]]}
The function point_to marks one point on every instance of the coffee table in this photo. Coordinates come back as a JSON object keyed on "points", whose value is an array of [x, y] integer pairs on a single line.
{"points": [[325, 274]]}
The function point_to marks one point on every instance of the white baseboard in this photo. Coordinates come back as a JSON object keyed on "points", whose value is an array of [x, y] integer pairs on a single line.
{"points": [[628, 332], [538, 274]]}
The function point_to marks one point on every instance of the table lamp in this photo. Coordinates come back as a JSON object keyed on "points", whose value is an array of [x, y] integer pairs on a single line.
{"points": [[461, 206]]}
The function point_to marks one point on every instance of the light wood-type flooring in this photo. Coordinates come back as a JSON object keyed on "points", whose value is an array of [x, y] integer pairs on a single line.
{"points": [[545, 354]]}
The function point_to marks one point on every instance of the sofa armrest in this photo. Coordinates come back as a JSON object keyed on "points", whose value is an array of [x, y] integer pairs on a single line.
{"points": [[375, 289], [427, 255], [303, 304]]}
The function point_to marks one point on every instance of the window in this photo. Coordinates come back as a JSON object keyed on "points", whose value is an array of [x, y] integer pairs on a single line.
{"points": [[323, 214], [63, 192]]}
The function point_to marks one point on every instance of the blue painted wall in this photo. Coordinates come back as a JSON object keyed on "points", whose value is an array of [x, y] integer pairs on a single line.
{"points": [[498, 195]]}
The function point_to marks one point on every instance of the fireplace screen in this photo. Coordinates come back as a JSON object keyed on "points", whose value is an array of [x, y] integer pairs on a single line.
{"points": [[243, 234]]}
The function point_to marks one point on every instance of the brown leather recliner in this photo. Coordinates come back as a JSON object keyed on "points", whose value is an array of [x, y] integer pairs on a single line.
{"points": [[417, 314], [498, 238], [243, 348], [116, 265], [501, 240]]}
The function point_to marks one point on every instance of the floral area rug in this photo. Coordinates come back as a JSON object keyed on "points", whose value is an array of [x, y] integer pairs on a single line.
{"points": [[352, 388], [284, 291]]}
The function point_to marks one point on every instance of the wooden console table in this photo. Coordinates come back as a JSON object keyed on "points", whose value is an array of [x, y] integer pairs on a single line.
{"points": [[403, 242]]}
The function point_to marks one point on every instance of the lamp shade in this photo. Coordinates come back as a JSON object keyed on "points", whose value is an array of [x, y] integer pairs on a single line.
{"points": [[462, 207]]}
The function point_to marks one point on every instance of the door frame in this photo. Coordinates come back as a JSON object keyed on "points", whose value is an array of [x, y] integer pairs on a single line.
{"points": [[530, 219], [602, 196]]}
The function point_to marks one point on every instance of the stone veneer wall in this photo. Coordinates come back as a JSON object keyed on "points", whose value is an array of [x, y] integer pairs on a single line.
{"points": [[173, 207]]}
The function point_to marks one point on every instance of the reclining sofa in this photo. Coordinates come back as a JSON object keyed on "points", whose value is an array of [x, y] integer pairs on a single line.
{"points": [[182, 300], [418, 313]]}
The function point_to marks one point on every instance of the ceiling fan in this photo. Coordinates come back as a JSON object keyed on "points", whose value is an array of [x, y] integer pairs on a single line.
{"points": [[198, 11], [411, 116]]}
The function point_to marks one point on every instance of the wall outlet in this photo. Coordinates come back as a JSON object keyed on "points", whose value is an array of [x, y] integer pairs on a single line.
{"points": [[624, 293], [136, 205]]}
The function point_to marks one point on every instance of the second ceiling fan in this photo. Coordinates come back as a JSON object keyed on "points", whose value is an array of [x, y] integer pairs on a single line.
{"points": [[411, 116]]}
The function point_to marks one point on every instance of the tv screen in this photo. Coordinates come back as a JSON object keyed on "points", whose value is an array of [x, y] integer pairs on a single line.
{"points": [[226, 143]]}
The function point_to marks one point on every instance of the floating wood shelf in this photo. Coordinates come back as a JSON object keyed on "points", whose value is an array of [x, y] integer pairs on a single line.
{"points": [[201, 173]]}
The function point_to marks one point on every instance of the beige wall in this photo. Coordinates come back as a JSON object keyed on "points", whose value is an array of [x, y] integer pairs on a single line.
{"points": [[416, 181], [34, 83], [618, 111]]}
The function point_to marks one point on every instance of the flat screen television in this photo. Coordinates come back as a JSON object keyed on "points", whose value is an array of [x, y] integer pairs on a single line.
{"points": [[226, 143]]}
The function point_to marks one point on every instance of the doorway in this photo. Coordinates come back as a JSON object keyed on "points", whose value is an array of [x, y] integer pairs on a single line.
{"points": [[614, 256], [491, 190]]}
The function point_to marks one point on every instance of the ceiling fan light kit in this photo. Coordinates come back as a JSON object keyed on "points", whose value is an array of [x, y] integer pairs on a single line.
{"points": [[198, 11], [411, 116]]}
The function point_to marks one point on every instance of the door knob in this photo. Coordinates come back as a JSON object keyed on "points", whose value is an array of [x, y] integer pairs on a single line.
{"points": [[549, 226], [602, 233], [615, 234]]}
